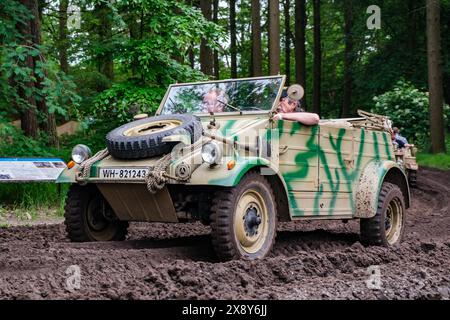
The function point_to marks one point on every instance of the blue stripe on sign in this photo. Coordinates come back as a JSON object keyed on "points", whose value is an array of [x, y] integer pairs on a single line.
{"points": [[32, 159]]}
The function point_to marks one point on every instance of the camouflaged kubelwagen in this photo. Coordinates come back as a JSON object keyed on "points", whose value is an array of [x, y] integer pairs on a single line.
{"points": [[237, 170]]}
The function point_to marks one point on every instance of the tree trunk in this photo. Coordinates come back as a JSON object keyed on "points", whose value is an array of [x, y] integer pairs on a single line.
{"points": [[63, 42], [134, 32], [412, 28], [435, 77], [274, 37], [348, 59], [256, 39], [300, 52], [317, 59], [216, 53], [287, 41], [105, 60], [206, 56], [191, 55], [28, 114], [233, 50], [48, 124]]}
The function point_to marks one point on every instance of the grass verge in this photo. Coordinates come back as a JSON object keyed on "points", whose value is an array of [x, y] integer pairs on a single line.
{"points": [[439, 161], [29, 201]]}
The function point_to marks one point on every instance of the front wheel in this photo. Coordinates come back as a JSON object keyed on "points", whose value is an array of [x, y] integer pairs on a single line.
{"points": [[386, 228], [88, 216], [244, 219]]}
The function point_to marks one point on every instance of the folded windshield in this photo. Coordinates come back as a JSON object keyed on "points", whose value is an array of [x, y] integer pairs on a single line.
{"points": [[226, 96]]}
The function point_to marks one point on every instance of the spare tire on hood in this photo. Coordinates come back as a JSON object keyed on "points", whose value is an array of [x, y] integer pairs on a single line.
{"points": [[143, 138]]}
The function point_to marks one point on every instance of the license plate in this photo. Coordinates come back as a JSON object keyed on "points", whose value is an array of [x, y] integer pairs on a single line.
{"points": [[124, 174]]}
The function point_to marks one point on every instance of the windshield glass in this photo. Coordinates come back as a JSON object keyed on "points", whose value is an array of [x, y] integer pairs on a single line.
{"points": [[226, 96]]}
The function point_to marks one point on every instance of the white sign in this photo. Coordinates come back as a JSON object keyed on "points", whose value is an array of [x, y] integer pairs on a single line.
{"points": [[30, 169]]}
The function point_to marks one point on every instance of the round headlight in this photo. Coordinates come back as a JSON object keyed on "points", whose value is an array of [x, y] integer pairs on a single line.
{"points": [[211, 153], [80, 153]]}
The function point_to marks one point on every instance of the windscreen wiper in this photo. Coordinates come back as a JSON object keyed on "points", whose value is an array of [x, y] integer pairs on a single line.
{"points": [[229, 105], [173, 103]]}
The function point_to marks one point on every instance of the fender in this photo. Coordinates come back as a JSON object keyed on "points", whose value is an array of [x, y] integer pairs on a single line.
{"points": [[221, 176], [68, 175], [368, 187]]}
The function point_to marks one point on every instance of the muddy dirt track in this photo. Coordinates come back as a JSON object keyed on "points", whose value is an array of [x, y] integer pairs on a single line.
{"points": [[311, 260]]}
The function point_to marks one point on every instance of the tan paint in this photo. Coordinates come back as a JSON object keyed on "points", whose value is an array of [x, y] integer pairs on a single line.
{"points": [[407, 155], [150, 127]]}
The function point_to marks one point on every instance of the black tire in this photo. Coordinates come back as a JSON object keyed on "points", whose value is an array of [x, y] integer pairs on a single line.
{"points": [[225, 217], [81, 225], [412, 178], [150, 145], [375, 230]]}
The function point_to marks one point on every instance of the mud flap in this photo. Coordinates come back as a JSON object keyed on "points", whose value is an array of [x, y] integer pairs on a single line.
{"points": [[133, 202]]}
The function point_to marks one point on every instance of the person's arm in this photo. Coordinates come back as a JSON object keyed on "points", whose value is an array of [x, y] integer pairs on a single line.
{"points": [[306, 118]]}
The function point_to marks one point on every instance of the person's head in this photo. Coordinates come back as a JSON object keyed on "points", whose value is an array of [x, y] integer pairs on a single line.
{"points": [[287, 104], [215, 100], [395, 130]]}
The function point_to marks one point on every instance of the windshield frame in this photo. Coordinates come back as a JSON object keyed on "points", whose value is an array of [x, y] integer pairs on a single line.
{"points": [[200, 114]]}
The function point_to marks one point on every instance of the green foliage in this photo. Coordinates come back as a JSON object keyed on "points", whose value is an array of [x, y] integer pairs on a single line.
{"points": [[13, 143], [11, 13], [60, 93], [123, 100], [57, 89], [407, 107], [150, 52], [89, 83], [26, 76], [157, 57]]}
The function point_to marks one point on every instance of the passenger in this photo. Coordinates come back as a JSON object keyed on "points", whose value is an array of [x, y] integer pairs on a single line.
{"points": [[289, 109], [398, 139], [215, 100]]}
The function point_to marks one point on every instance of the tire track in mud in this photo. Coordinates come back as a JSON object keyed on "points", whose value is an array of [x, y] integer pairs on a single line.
{"points": [[311, 259]]}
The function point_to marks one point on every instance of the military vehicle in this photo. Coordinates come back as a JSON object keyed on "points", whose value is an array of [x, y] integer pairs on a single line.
{"points": [[214, 153]]}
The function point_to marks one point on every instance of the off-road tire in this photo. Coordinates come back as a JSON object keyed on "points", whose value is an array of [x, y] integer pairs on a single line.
{"points": [[412, 178], [78, 229], [224, 235], [373, 230], [150, 145]]}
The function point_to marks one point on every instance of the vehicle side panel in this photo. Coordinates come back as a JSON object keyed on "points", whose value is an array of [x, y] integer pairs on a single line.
{"points": [[298, 163]]}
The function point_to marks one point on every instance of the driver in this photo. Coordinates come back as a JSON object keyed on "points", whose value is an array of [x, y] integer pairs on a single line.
{"points": [[215, 100], [289, 109]]}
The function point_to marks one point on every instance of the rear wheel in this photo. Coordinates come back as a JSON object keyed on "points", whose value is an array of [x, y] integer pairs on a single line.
{"points": [[244, 219], [88, 216], [386, 228]]}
